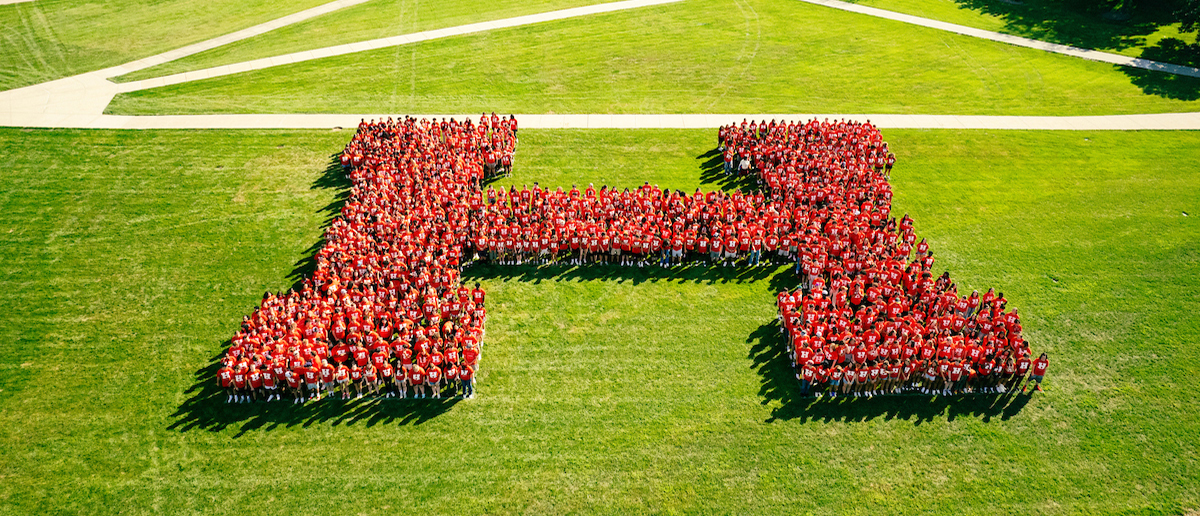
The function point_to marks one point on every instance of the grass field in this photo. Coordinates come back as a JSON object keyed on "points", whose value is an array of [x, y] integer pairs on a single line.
{"points": [[1046, 20], [700, 56], [376, 19], [51, 39], [131, 256]]}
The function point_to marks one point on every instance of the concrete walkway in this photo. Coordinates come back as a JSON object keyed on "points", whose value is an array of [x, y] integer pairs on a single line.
{"points": [[1093, 55], [42, 105], [79, 101], [7, 2], [1166, 121]]}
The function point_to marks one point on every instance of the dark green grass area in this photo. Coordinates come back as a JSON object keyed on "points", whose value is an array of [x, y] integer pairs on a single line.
{"points": [[1080, 23], [131, 256], [51, 39], [699, 56], [1148, 30]]}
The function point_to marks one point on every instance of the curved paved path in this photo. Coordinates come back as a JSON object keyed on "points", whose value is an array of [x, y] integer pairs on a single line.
{"points": [[79, 101]]}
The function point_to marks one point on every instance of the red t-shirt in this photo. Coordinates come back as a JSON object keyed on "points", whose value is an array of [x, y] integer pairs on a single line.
{"points": [[1039, 367]]}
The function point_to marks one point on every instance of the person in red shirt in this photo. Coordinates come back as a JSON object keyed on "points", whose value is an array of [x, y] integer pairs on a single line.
{"points": [[1022, 364], [955, 377], [342, 377], [1037, 372], [849, 379], [361, 356], [269, 385], [466, 375], [401, 381], [312, 378], [239, 384], [327, 372], [416, 377], [341, 353], [450, 380], [386, 383], [433, 379], [356, 379], [929, 372], [293, 378], [470, 355], [836, 373], [225, 379], [806, 375], [370, 380]]}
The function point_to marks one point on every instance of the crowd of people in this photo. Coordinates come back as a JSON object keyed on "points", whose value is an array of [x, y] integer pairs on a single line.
{"points": [[649, 225], [870, 318], [385, 312]]}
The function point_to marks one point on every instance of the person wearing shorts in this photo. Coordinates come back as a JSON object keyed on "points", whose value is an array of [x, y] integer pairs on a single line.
{"points": [[342, 378], [327, 374], [312, 377], [835, 380], [1037, 372], [416, 377]]}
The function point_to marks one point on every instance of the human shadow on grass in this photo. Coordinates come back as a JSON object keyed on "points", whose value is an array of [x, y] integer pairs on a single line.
{"points": [[779, 385], [712, 173], [333, 177], [699, 272]]}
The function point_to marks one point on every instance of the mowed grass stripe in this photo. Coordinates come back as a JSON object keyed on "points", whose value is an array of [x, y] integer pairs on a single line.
{"points": [[700, 56], [600, 395], [372, 20]]}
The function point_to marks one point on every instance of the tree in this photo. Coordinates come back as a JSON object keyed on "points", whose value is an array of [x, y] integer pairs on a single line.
{"points": [[1189, 15]]}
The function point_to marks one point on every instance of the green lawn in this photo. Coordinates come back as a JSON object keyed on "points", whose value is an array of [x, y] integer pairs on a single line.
{"points": [[372, 20], [699, 56], [131, 256], [51, 39]]}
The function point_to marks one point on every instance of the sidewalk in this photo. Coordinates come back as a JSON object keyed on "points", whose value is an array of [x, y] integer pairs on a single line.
{"points": [[1165, 121]]}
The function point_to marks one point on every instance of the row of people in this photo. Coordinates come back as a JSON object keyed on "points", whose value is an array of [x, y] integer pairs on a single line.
{"points": [[646, 226], [932, 376], [355, 371]]}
